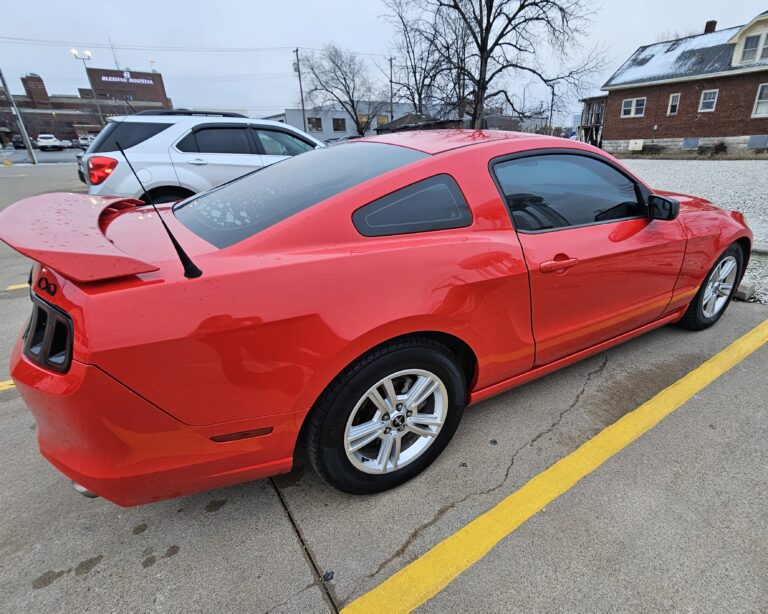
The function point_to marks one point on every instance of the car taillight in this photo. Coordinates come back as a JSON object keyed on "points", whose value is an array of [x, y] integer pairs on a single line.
{"points": [[99, 168]]}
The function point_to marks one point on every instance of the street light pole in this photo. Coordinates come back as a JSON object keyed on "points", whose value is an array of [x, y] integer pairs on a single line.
{"points": [[301, 90], [19, 120], [86, 57]]}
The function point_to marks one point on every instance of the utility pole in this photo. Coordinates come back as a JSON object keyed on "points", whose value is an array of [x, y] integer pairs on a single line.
{"points": [[551, 111], [391, 92], [86, 57], [297, 68], [19, 120]]}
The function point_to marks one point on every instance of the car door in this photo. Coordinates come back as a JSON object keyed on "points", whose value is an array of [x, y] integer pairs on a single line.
{"points": [[598, 266], [215, 154], [276, 145]]}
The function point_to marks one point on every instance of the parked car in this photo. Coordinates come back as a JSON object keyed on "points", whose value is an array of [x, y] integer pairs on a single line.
{"points": [[360, 295], [17, 141], [341, 139], [48, 142], [180, 153], [66, 143], [83, 142]]}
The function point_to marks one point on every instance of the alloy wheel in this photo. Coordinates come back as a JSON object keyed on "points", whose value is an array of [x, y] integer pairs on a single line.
{"points": [[719, 287], [396, 421]]}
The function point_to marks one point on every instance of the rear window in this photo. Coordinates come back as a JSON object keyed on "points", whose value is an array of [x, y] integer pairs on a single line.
{"points": [[128, 134], [239, 209]]}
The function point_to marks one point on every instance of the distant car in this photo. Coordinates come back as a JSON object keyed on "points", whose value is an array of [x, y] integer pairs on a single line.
{"points": [[180, 153], [17, 141], [352, 301], [342, 139], [48, 142], [66, 143], [84, 141]]}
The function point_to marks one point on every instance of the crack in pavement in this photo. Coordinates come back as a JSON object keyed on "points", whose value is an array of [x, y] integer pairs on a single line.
{"points": [[446, 508], [297, 593], [327, 590]]}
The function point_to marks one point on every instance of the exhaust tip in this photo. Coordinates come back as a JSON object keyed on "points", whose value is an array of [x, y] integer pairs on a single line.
{"points": [[84, 491]]}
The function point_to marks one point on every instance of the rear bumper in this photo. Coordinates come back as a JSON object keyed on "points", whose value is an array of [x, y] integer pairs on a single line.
{"points": [[106, 438]]}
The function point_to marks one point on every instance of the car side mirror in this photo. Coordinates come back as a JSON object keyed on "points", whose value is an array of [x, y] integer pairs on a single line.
{"points": [[662, 208]]}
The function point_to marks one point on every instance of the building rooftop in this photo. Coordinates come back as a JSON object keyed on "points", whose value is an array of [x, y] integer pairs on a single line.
{"points": [[690, 56]]}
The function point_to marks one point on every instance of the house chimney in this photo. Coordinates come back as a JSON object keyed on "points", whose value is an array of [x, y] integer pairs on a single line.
{"points": [[710, 26]]}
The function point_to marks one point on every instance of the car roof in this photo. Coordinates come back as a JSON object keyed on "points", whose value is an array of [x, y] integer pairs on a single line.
{"points": [[197, 119], [438, 141]]}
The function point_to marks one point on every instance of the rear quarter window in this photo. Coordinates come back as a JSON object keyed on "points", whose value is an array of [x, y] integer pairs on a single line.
{"points": [[128, 134], [436, 203]]}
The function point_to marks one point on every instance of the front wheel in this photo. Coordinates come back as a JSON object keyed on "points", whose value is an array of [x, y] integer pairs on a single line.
{"points": [[387, 416], [716, 293]]}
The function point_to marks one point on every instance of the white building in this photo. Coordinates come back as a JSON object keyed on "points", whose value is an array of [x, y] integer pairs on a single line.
{"points": [[333, 123]]}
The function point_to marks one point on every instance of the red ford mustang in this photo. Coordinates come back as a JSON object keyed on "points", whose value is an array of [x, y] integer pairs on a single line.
{"points": [[353, 300]]}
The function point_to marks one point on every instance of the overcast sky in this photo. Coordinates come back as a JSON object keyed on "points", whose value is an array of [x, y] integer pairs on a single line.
{"points": [[262, 82]]}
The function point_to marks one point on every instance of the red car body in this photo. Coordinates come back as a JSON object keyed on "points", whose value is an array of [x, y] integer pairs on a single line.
{"points": [[178, 385]]}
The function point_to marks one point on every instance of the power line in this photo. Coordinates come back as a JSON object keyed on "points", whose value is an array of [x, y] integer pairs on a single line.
{"points": [[60, 43]]}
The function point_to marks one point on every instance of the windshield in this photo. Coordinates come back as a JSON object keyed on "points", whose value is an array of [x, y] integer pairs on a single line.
{"points": [[239, 209]]}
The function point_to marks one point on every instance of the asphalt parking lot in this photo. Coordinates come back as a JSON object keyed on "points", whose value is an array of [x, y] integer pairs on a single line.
{"points": [[674, 521], [19, 156]]}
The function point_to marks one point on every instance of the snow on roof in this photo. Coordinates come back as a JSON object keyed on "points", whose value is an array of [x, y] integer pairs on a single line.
{"points": [[691, 56]]}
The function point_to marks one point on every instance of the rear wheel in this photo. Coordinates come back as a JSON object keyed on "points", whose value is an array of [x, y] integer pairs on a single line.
{"points": [[387, 416], [716, 293]]}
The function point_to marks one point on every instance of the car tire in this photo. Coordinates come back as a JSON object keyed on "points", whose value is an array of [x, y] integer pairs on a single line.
{"points": [[716, 291], [400, 450]]}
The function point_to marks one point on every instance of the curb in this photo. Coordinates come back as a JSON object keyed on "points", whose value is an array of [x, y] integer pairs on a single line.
{"points": [[760, 248]]}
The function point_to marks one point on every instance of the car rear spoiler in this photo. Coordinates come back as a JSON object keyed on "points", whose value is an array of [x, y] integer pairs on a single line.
{"points": [[64, 232]]}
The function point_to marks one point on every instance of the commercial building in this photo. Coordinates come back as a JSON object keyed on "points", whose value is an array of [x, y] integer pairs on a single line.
{"points": [[706, 90], [325, 123], [111, 92]]}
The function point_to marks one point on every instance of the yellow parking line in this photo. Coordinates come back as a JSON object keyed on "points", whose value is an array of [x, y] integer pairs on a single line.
{"points": [[422, 579], [17, 287], [6, 385]]}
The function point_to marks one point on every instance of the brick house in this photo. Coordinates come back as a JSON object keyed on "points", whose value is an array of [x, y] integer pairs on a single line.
{"points": [[694, 91]]}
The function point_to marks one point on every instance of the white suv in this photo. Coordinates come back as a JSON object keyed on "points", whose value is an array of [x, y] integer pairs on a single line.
{"points": [[180, 153], [48, 141]]}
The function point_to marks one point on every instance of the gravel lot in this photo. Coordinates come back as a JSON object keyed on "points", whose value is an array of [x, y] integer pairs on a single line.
{"points": [[732, 184]]}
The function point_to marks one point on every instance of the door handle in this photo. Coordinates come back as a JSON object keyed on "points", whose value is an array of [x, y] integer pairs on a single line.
{"points": [[551, 266], [197, 162]]}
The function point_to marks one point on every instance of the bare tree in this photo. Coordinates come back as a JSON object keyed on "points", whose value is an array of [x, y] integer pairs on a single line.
{"points": [[416, 64], [339, 77], [506, 39]]}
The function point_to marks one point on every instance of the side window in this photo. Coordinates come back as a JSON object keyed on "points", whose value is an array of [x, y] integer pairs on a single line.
{"points": [[188, 143], [278, 143], [432, 204], [223, 140], [559, 190]]}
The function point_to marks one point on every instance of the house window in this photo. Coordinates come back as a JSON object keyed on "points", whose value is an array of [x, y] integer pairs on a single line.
{"points": [[708, 101], [362, 119], [764, 54], [761, 102], [339, 124], [674, 104], [382, 120], [749, 53], [315, 124], [633, 107]]}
